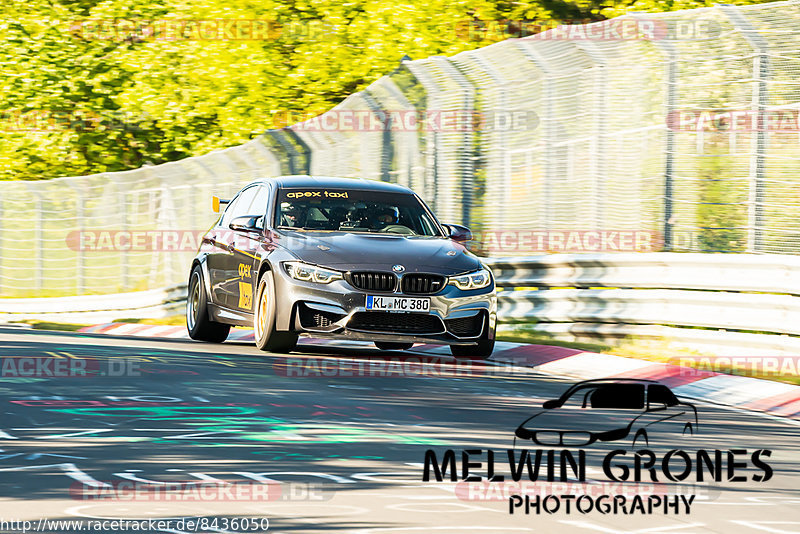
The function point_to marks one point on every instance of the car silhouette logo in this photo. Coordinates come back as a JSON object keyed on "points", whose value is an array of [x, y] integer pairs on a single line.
{"points": [[398, 268], [609, 409]]}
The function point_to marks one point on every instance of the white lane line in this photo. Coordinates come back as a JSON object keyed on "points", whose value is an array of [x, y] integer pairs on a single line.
{"points": [[613, 530], [763, 526]]}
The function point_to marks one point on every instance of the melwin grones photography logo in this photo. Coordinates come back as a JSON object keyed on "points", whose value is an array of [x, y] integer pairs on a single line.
{"points": [[545, 470]]}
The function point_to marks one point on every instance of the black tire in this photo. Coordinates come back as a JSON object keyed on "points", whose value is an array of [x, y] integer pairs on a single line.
{"points": [[393, 345], [198, 323], [481, 351], [267, 338]]}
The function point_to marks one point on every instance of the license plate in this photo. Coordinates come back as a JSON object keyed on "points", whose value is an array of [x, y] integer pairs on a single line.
{"points": [[398, 304]]}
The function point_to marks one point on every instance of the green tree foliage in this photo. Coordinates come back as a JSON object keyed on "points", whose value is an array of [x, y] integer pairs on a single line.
{"points": [[77, 98]]}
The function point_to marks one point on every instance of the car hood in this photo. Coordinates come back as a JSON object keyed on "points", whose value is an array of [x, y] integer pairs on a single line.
{"points": [[585, 420], [349, 251]]}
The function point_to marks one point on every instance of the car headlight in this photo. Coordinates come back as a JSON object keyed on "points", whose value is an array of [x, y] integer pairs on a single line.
{"points": [[475, 280], [311, 273]]}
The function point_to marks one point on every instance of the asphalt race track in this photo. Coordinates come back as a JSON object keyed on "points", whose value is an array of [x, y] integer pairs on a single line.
{"points": [[343, 453]]}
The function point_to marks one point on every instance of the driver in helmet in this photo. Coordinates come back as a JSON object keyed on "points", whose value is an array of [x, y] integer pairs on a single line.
{"points": [[386, 216], [291, 214]]}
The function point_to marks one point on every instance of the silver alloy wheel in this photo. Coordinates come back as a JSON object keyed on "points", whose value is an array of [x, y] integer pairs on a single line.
{"points": [[193, 302], [261, 311]]}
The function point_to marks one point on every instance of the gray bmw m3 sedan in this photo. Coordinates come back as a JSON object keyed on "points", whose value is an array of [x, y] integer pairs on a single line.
{"points": [[340, 258]]}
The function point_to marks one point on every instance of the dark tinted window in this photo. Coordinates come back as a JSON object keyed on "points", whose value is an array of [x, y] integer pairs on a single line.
{"points": [[239, 206], [332, 210], [618, 396], [658, 394], [228, 215], [259, 204]]}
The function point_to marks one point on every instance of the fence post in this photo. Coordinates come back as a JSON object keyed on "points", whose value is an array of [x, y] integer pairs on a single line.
{"points": [[600, 123], [405, 143], [288, 151], [123, 212], [755, 200], [550, 134], [39, 242], [387, 147], [431, 155], [1, 247], [297, 161], [268, 154], [491, 154], [669, 160], [670, 102], [465, 160], [38, 238], [80, 215]]}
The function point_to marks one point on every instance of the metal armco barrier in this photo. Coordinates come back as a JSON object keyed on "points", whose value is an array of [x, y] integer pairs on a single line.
{"points": [[714, 272], [86, 309], [728, 302]]}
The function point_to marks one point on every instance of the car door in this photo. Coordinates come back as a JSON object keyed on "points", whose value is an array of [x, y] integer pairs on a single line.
{"points": [[217, 258], [244, 252], [665, 414], [222, 268]]}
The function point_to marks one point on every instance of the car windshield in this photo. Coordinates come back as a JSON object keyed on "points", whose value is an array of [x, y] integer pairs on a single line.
{"points": [[348, 210]]}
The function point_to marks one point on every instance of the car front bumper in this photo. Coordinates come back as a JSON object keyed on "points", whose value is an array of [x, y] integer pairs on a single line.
{"points": [[338, 310]]}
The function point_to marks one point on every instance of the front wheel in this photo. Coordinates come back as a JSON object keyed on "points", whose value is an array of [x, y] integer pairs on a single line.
{"points": [[198, 323], [267, 338]]}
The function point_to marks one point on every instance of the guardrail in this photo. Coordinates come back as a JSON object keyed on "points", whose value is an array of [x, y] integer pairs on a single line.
{"points": [[659, 270], [155, 303], [726, 302], [736, 303]]}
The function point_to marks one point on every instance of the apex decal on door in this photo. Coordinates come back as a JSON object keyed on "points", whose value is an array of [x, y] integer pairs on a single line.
{"points": [[246, 295]]}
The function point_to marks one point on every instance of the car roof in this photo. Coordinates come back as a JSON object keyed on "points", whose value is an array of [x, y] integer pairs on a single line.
{"points": [[304, 180], [600, 381], [611, 380]]}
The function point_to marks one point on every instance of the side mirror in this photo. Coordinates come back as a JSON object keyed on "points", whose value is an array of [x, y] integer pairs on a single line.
{"points": [[217, 203], [549, 405], [246, 223], [458, 233]]}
